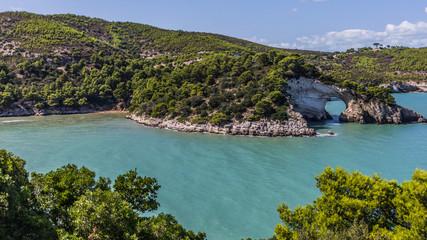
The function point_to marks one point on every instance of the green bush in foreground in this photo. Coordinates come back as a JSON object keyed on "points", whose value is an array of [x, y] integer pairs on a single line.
{"points": [[355, 206], [70, 203]]}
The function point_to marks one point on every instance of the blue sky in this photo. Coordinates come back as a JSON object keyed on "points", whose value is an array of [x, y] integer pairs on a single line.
{"points": [[305, 24]]}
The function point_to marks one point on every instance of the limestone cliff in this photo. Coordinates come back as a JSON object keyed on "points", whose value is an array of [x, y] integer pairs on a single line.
{"points": [[309, 97], [398, 87], [360, 111], [296, 126]]}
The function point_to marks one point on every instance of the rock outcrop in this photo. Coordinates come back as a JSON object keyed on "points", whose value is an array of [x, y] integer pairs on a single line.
{"points": [[359, 111], [309, 97], [296, 126], [398, 87]]}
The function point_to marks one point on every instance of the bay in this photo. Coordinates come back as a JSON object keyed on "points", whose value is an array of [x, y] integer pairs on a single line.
{"points": [[226, 186]]}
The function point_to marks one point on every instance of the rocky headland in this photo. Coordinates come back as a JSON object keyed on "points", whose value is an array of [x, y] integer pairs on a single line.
{"points": [[412, 86], [296, 126], [309, 97], [360, 111]]}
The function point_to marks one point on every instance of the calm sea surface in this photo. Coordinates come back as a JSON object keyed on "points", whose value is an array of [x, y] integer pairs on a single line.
{"points": [[226, 186]]}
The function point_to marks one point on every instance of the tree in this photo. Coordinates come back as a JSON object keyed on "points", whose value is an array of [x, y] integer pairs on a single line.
{"points": [[383, 208], [263, 108], [218, 118], [20, 215], [58, 190], [140, 192], [411, 205], [245, 77], [160, 110], [277, 97], [376, 44], [103, 215], [165, 226]]}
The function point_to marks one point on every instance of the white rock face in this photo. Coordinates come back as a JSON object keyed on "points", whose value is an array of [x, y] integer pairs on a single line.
{"points": [[309, 97], [376, 112], [295, 126]]}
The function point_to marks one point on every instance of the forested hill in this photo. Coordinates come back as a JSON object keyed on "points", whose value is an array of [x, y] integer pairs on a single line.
{"points": [[82, 36], [74, 62]]}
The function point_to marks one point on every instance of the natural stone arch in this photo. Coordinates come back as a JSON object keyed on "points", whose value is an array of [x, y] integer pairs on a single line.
{"points": [[309, 97]]}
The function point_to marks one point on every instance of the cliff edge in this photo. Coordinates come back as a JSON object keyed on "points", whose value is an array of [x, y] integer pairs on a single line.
{"points": [[359, 111]]}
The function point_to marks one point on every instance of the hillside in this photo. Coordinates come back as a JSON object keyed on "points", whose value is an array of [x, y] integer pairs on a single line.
{"points": [[58, 64], [62, 35]]}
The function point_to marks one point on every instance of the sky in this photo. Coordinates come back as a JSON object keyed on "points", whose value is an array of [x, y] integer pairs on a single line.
{"points": [[324, 25]]}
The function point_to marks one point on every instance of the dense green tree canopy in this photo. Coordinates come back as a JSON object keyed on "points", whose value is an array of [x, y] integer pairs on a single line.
{"points": [[69, 203], [352, 203], [20, 215]]}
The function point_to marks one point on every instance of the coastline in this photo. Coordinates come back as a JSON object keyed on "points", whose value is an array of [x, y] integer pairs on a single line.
{"points": [[295, 126], [28, 109]]}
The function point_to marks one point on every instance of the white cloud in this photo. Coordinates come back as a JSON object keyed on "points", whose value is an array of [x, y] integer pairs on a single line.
{"points": [[257, 40], [425, 9], [320, 0], [404, 34], [16, 8]]}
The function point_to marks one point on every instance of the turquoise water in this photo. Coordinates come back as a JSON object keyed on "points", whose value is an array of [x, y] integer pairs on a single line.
{"points": [[226, 186]]}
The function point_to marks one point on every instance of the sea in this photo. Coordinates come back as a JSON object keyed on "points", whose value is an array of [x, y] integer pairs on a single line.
{"points": [[226, 186]]}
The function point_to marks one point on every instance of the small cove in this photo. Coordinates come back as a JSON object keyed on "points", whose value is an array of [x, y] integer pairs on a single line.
{"points": [[226, 186]]}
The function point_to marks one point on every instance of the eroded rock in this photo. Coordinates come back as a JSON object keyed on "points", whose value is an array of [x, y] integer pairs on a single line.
{"points": [[296, 126], [309, 97], [360, 111]]}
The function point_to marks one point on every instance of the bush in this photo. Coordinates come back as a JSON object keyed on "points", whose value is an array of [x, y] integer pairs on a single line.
{"points": [[196, 101], [200, 120], [160, 110], [40, 105], [280, 114], [256, 98], [218, 118], [277, 97], [253, 118], [264, 109]]}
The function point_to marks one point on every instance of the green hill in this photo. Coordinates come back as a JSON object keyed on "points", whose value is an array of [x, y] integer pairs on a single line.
{"points": [[74, 62], [65, 34]]}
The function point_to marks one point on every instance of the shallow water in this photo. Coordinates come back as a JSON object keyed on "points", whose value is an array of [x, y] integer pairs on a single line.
{"points": [[226, 186]]}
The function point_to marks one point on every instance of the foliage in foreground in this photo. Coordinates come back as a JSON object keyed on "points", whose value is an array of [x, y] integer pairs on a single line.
{"points": [[355, 206], [70, 204]]}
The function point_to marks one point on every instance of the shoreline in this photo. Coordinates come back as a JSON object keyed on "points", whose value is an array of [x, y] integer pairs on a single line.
{"points": [[296, 126]]}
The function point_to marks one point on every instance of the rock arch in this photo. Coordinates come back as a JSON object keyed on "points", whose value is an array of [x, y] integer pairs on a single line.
{"points": [[309, 97]]}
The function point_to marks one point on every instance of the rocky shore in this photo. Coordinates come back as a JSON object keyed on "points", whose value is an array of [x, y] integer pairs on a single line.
{"points": [[28, 109], [362, 112], [296, 126], [397, 87]]}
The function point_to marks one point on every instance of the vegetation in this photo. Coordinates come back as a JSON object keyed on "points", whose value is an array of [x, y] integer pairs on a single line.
{"points": [[355, 206], [76, 62], [70, 203]]}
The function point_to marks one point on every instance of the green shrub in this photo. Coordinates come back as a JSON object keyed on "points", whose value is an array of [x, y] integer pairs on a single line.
{"points": [[253, 118], [277, 97], [160, 110], [218, 118], [264, 109], [41, 105], [200, 120], [280, 114], [256, 98]]}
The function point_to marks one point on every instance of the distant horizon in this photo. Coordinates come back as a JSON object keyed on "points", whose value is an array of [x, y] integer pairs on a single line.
{"points": [[315, 25]]}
